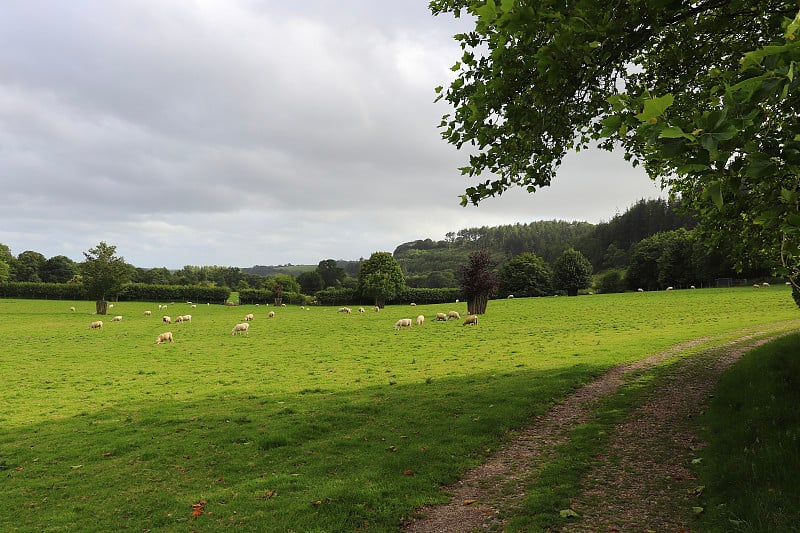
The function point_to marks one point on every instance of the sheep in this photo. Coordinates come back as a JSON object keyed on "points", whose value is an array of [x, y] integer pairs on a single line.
{"points": [[194, 305], [72, 309], [510, 296], [190, 303], [670, 288], [441, 316], [453, 314], [765, 284], [244, 327], [271, 314], [640, 289], [402, 323], [164, 337], [111, 306], [187, 318], [376, 309], [248, 317], [178, 319], [756, 286], [166, 319], [117, 318], [692, 287], [413, 304], [361, 310], [345, 310], [96, 325], [471, 319], [420, 320], [148, 313]]}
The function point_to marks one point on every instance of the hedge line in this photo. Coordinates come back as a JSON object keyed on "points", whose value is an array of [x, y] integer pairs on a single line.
{"points": [[263, 297], [406, 296], [42, 291], [143, 292], [130, 292]]}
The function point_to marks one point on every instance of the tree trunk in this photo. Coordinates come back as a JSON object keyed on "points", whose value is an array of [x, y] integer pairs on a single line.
{"points": [[477, 304], [101, 306], [277, 301]]}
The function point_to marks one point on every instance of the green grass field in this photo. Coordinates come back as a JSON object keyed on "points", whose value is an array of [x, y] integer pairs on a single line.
{"points": [[315, 421]]}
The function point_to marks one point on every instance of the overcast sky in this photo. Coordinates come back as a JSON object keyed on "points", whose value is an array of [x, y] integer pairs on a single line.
{"points": [[245, 132]]}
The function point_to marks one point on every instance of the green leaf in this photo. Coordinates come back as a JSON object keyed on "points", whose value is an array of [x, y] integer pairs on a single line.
{"points": [[697, 510], [674, 132], [655, 107], [714, 191], [568, 513]]}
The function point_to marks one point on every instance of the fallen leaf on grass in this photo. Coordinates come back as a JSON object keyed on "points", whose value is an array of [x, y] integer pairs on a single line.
{"points": [[409, 472], [198, 508], [568, 513], [469, 502]]}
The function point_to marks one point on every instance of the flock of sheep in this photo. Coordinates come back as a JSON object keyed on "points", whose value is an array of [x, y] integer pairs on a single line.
{"points": [[243, 328]]}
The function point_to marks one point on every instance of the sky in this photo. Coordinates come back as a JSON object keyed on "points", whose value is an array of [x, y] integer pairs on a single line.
{"points": [[247, 132]]}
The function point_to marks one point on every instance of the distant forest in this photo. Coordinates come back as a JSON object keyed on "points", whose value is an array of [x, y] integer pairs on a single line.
{"points": [[653, 245]]}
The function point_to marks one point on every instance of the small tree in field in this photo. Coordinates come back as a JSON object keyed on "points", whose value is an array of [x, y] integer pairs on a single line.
{"points": [[572, 272], [103, 274], [479, 281], [380, 277]]}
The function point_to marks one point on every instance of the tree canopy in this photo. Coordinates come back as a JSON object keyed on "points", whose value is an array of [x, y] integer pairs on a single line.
{"points": [[103, 272], [703, 94], [380, 277], [572, 272]]}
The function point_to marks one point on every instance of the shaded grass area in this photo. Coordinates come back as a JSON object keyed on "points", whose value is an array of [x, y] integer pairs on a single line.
{"points": [[751, 464], [343, 460]]}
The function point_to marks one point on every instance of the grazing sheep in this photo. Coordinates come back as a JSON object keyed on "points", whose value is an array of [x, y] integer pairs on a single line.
{"points": [[441, 316], [692, 287], [413, 304], [248, 317], [72, 309], [194, 305], [148, 313], [117, 318], [178, 319], [402, 323], [164, 337], [244, 327], [453, 314], [271, 314], [187, 318], [670, 288], [361, 310], [756, 286], [376, 309], [96, 325], [765, 284], [166, 319], [510, 296], [640, 289], [471, 319], [190, 303], [420, 320], [345, 310], [111, 306]]}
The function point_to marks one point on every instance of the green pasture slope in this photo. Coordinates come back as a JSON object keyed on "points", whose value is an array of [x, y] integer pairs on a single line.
{"points": [[315, 421]]}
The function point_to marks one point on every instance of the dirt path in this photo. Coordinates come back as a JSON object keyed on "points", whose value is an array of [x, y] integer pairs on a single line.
{"points": [[643, 474]]}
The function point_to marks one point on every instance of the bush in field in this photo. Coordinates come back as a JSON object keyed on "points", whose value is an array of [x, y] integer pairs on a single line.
{"points": [[572, 272], [526, 275], [611, 281]]}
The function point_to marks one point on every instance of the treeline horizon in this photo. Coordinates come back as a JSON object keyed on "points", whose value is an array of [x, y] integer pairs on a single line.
{"points": [[652, 245]]}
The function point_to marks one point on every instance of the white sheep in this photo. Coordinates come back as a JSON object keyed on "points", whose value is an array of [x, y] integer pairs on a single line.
{"points": [[164, 337], [640, 289], [111, 306], [471, 319], [194, 305], [765, 284], [376, 309], [96, 325], [72, 309], [117, 318], [402, 323], [148, 313], [670, 288], [756, 286], [413, 304], [271, 314], [510, 296], [248, 317], [244, 327], [166, 319], [187, 318], [420, 320], [361, 310], [441, 316], [453, 314], [346, 310]]}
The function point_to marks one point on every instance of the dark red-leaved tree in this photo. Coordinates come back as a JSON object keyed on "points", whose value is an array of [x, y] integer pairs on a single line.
{"points": [[479, 281]]}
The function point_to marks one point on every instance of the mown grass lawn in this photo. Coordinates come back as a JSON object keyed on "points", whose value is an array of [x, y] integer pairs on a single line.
{"points": [[315, 421]]}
